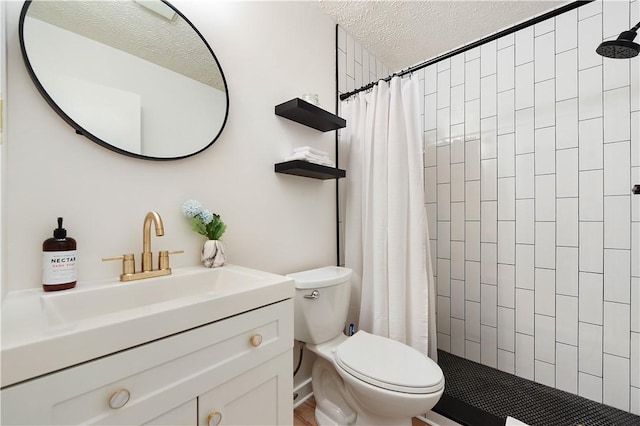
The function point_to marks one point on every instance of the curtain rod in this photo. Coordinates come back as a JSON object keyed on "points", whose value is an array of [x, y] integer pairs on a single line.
{"points": [[473, 45]]}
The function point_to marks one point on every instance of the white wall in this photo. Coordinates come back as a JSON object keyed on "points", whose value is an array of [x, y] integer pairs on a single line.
{"points": [[3, 157], [270, 52]]}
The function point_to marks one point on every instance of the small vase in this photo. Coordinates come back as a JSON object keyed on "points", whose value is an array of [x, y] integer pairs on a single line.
{"points": [[213, 254]]}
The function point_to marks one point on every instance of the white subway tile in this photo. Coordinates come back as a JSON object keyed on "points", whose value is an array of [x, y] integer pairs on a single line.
{"points": [[430, 181], [433, 250], [590, 144], [616, 382], [567, 222], [567, 31], [617, 124], [444, 241], [635, 304], [545, 245], [545, 150], [457, 70], [545, 291], [443, 317], [350, 55], [488, 59], [591, 195], [445, 64], [525, 277], [430, 112], [525, 176], [507, 199], [567, 320], [567, 173], [472, 160], [635, 84], [590, 298], [443, 127], [488, 96], [506, 69], [635, 248], [507, 285], [457, 299], [457, 337], [457, 182], [472, 54], [616, 74], [617, 329], [615, 15], [590, 386], [457, 104], [524, 356], [567, 124], [489, 221], [430, 144], [590, 93], [506, 361], [545, 57], [366, 71], [545, 373], [443, 155], [507, 242], [457, 262], [617, 222], [589, 35], [544, 27], [472, 321], [488, 346], [506, 329], [489, 138], [430, 79], [472, 241], [444, 202], [545, 103], [472, 80], [524, 45], [432, 222], [524, 312], [489, 305], [635, 359], [457, 221], [506, 112], [444, 342], [444, 277], [489, 179], [472, 200], [525, 131], [506, 155], [489, 263], [635, 399], [342, 75], [472, 350], [472, 120], [358, 75], [525, 221], [567, 75], [590, 349], [472, 281], [524, 86], [567, 368], [351, 84], [591, 247], [635, 138], [567, 271], [342, 39], [593, 8], [635, 201], [506, 41], [545, 197]]}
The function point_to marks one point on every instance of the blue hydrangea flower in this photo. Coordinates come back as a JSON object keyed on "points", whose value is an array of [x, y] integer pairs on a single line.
{"points": [[206, 216], [191, 208]]}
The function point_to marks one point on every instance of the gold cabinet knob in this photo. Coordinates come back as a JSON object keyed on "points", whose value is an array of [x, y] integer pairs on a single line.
{"points": [[119, 398], [256, 340], [214, 418]]}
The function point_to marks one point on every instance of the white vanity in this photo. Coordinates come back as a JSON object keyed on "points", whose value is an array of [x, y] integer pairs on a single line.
{"points": [[199, 347]]}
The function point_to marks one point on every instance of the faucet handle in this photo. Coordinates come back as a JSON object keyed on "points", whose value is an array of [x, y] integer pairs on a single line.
{"points": [[128, 263], [163, 258]]}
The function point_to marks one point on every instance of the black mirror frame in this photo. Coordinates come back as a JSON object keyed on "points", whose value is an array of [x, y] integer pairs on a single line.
{"points": [[79, 129]]}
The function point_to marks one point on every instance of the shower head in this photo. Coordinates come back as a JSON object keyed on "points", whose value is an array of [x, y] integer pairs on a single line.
{"points": [[621, 48]]}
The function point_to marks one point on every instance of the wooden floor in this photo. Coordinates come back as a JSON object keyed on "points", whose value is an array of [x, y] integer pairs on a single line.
{"points": [[304, 415]]}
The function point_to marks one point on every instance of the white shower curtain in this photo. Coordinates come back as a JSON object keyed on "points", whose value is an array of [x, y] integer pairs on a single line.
{"points": [[386, 235]]}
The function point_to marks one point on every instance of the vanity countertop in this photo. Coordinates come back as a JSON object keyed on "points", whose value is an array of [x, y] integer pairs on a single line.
{"points": [[44, 332]]}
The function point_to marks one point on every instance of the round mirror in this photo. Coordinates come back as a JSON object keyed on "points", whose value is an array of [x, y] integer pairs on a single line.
{"points": [[133, 76]]}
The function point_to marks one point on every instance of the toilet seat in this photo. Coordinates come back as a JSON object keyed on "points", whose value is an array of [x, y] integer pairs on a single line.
{"points": [[388, 364]]}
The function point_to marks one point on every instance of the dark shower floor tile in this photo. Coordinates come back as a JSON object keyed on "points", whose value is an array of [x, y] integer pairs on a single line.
{"points": [[494, 394]]}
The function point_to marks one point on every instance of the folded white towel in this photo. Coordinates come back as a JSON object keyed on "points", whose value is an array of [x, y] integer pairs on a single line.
{"points": [[311, 151], [514, 422], [311, 159]]}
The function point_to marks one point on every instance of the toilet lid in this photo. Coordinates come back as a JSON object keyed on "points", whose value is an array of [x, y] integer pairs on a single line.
{"points": [[388, 364]]}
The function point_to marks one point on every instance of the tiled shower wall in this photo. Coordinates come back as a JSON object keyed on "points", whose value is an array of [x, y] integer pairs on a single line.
{"points": [[531, 147]]}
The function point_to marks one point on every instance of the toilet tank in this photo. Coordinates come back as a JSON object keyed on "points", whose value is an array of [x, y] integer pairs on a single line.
{"points": [[321, 303]]}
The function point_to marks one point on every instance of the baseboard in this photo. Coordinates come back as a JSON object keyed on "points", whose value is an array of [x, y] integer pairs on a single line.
{"points": [[302, 392]]}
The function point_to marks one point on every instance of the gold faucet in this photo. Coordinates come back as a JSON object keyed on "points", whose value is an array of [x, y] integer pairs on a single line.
{"points": [[128, 262]]}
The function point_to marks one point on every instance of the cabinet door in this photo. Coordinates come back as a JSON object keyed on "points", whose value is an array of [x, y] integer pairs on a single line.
{"points": [[184, 415], [260, 396]]}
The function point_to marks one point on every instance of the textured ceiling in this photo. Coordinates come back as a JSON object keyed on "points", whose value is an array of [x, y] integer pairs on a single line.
{"points": [[132, 28], [404, 33]]}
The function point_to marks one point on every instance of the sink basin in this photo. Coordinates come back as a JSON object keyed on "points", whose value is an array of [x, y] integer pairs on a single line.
{"points": [[181, 287], [98, 319]]}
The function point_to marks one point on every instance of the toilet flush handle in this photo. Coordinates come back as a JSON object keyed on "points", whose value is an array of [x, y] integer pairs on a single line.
{"points": [[314, 295]]}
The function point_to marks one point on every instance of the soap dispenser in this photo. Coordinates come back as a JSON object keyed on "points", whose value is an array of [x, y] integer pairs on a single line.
{"points": [[59, 261]]}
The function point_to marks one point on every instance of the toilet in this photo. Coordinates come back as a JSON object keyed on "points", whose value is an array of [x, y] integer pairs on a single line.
{"points": [[363, 379]]}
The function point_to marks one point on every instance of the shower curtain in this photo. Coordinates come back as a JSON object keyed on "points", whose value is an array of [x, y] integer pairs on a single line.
{"points": [[386, 235]]}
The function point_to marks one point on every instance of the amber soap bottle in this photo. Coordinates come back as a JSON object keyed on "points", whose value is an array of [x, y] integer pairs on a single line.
{"points": [[59, 261]]}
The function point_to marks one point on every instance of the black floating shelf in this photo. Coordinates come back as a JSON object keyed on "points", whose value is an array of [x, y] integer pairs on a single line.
{"points": [[310, 170], [310, 115]]}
